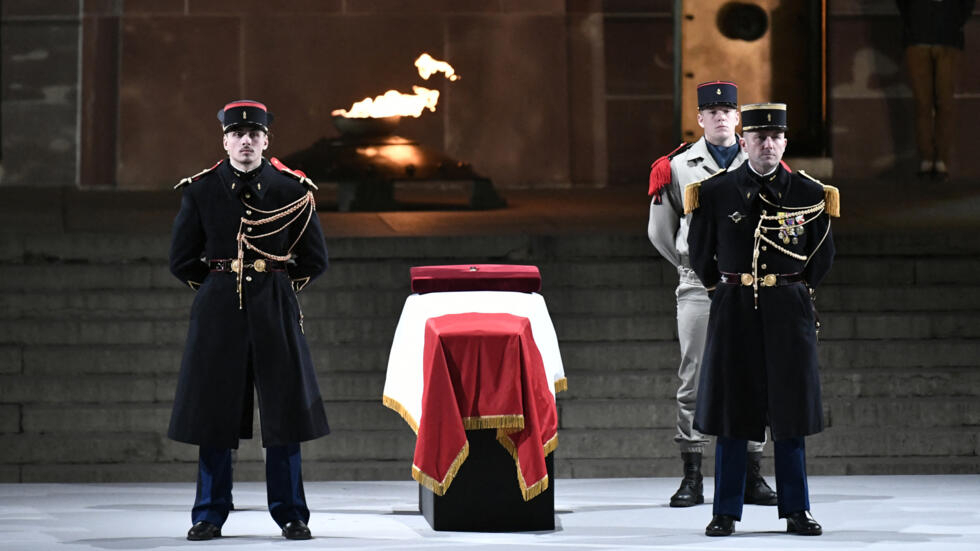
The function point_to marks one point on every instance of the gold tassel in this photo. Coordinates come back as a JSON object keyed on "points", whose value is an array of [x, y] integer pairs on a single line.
{"points": [[561, 385], [691, 193], [831, 197]]}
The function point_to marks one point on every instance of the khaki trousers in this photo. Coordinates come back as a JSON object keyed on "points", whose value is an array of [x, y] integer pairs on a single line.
{"points": [[932, 73], [693, 306]]}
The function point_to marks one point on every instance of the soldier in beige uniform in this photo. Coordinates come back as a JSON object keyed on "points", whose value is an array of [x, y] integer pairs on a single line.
{"points": [[716, 151]]}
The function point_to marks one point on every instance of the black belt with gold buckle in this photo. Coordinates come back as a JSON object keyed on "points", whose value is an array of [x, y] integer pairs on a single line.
{"points": [[259, 265], [768, 280]]}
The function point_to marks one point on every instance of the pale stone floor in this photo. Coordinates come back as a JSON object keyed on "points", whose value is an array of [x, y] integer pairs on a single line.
{"points": [[857, 512]]}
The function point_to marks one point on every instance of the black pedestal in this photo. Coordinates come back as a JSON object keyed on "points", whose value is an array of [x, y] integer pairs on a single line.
{"points": [[485, 495]]}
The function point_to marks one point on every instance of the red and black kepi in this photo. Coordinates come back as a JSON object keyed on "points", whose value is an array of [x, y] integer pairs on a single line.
{"points": [[244, 112], [763, 116], [718, 92]]}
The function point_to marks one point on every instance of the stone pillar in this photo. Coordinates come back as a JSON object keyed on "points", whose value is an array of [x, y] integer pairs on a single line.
{"points": [[40, 83]]}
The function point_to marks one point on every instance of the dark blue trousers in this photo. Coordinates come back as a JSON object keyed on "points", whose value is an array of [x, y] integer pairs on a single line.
{"points": [[791, 487], [283, 482]]}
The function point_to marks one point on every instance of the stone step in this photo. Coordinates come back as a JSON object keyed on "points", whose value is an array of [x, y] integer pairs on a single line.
{"points": [[920, 326], [834, 442], [840, 354], [65, 360], [841, 388], [661, 413], [879, 382], [670, 467], [146, 447], [400, 469], [916, 298], [111, 247], [135, 388], [612, 358], [385, 273], [386, 305], [899, 414], [186, 472], [155, 417]]}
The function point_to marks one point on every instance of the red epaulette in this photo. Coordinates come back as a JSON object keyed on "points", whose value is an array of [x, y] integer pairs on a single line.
{"points": [[660, 171], [786, 166], [298, 174], [197, 176]]}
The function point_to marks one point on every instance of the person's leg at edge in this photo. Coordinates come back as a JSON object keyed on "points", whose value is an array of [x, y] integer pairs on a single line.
{"points": [[284, 487], [730, 458], [947, 65], [757, 490], [920, 66], [213, 500], [791, 484], [692, 326]]}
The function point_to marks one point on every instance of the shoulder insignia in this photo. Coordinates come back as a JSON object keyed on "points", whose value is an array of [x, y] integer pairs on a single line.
{"points": [[808, 177], [691, 197], [831, 197], [298, 174], [692, 193], [660, 171], [197, 176]]}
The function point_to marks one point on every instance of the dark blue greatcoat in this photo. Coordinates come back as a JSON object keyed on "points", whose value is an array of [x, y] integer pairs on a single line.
{"points": [[760, 365], [229, 349]]}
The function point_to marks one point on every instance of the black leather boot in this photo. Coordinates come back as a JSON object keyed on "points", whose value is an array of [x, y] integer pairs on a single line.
{"points": [[720, 525], [803, 523], [691, 491], [757, 491]]}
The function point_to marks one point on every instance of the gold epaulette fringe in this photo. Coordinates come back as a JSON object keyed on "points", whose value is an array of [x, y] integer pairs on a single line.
{"points": [[831, 197], [561, 385], [691, 197]]}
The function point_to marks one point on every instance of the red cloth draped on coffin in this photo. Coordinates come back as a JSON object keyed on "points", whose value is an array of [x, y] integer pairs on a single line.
{"points": [[483, 371], [476, 277]]}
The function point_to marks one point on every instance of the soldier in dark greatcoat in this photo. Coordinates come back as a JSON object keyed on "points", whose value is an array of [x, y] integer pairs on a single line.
{"points": [[760, 242], [247, 239]]}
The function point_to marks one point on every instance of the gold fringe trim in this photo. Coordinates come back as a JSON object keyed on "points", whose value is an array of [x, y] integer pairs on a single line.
{"points": [[393, 404], [831, 197], [494, 422], [691, 200], [534, 490], [551, 445], [561, 385], [440, 488]]}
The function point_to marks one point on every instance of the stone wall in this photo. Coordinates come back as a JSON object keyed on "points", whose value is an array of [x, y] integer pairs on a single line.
{"points": [[870, 102], [554, 93]]}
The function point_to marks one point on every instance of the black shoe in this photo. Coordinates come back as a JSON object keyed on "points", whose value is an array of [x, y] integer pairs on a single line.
{"points": [[691, 491], [802, 523], [203, 531], [757, 491], [296, 530], [720, 525]]}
